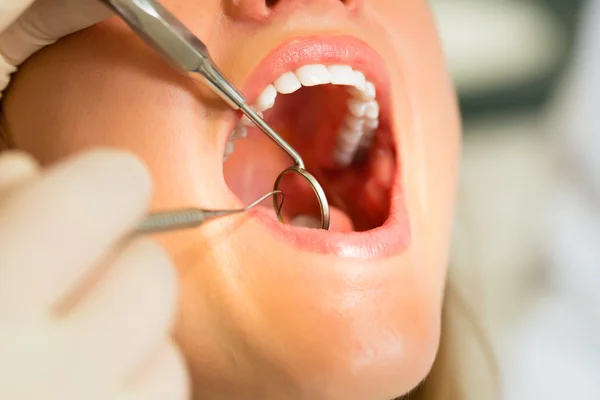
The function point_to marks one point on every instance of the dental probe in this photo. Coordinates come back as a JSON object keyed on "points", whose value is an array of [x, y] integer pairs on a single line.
{"points": [[187, 54], [168, 221]]}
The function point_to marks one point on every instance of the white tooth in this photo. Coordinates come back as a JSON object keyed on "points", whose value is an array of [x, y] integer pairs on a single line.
{"points": [[366, 93], [348, 143], [313, 75], [245, 121], [349, 135], [343, 158], [229, 148], [266, 99], [359, 80], [240, 132], [342, 75], [357, 107], [306, 221], [349, 150], [371, 124], [369, 92], [354, 123], [348, 147], [348, 140], [372, 110], [287, 83]]}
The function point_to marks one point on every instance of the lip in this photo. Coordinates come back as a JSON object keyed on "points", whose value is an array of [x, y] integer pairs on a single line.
{"points": [[394, 235]]}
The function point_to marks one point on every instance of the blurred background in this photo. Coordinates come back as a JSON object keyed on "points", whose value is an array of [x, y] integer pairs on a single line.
{"points": [[527, 235]]}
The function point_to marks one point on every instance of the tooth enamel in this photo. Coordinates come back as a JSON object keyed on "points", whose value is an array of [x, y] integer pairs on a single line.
{"points": [[372, 110], [366, 93], [342, 75], [354, 123], [306, 221], [240, 132], [369, 92], [343, 158], [266, 99], [347, 145], [313, 75], [287, 83], [348, 139], [348, 149], [359, 80], [229, 148], [357, 107], [371, 124]]}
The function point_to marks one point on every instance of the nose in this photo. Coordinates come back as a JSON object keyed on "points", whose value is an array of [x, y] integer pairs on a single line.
{"points": [[260, 10]]}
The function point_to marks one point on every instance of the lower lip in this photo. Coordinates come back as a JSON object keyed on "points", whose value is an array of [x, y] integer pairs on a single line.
{"points": [[394, 236]]}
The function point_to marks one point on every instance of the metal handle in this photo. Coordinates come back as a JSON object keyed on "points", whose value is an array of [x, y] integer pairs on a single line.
{"points": [[171, 220], [177, 45]]}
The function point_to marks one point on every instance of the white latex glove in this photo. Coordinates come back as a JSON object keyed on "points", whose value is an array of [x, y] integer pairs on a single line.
{"points": [[28, 25], [85, 309]]}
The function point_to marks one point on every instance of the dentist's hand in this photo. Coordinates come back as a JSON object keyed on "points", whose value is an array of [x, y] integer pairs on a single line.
{"points": [[28, 25], [85, 310]]}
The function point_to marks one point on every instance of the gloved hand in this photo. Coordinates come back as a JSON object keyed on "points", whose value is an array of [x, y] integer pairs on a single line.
{"points": [[85, 310], [28, 25]]}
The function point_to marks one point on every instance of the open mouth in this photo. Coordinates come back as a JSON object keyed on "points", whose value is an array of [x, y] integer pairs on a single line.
{"points": [[329, 99]]}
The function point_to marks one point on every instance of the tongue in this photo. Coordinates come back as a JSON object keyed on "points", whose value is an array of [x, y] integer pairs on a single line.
{"points": [[340, 222]]}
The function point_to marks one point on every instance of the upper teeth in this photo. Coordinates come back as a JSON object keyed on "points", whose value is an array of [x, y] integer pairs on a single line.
{"points": [[363, 110], [287, 83]]}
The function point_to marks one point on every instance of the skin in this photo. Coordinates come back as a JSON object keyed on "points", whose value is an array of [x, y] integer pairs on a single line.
{"points": [[269, 321]]}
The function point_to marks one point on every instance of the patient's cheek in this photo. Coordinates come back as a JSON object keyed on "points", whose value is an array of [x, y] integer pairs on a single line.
{"points": [[99, 88]]}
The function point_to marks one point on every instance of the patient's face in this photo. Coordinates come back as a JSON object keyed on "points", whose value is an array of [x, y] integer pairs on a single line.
{"points": [[271, 311]]}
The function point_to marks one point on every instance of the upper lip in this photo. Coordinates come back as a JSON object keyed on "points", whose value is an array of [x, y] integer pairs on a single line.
{"points": [[394, 235], [301, 51]]}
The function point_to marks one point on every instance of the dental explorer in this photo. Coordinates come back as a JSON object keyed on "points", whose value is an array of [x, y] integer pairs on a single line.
{"points": [[188, 218], [187, 54]]}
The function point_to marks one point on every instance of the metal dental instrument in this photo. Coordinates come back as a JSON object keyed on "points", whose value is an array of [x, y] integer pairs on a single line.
{"points": [[187, 54], [168, 221]]}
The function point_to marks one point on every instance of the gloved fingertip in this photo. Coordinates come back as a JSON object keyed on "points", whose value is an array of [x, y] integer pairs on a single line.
{"points": [[15, 167], [10, 10], [126, 166]]}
